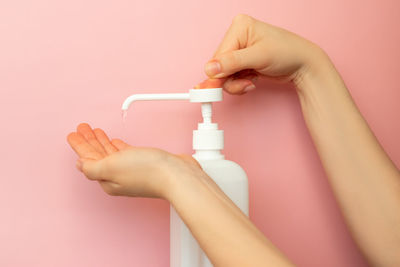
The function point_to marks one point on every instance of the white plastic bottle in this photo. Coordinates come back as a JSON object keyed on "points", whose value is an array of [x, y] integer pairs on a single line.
{"points": [[208, 141]]}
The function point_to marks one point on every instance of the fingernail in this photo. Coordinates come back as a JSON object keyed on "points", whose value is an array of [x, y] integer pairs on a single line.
{"points": [[212, 68], [254, 79], [249, 87]]}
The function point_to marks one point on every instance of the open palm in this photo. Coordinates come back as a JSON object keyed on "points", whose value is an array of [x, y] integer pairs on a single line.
{"points": [[93, 146], [122, 169]]}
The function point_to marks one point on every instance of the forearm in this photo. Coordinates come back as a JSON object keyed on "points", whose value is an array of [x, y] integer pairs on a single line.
{"points": [[364, 179], [225, 234]]}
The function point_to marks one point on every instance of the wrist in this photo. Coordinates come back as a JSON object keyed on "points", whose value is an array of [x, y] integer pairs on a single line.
{"points": [[320, 87], [317, 65], [181, 177]]}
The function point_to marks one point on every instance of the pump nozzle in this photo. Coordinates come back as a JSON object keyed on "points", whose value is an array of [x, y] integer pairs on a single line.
{"points": [[194, 95], [136, 97]]}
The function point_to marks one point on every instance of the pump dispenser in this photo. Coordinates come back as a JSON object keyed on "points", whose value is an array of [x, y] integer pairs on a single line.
{"points": [[208, 141]]}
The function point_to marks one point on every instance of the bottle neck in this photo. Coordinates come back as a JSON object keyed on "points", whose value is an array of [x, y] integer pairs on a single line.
{"points": [[209, 154]]}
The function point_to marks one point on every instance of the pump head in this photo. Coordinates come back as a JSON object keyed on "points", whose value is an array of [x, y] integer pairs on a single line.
{"points": [[207, 136]]}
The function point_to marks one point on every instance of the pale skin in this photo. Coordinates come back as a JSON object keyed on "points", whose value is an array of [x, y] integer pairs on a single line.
{"points": [[365, 181]]}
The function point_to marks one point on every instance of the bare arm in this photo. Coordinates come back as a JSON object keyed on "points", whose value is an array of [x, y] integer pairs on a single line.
{"points": [[223, 231], [365, 181]]}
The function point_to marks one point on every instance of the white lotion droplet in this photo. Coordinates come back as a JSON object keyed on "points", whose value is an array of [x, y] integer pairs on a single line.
{"points": [[124, 115]]}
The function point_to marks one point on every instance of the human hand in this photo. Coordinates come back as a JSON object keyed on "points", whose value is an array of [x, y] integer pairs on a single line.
{"points": [[122, 169], [252, 48]]}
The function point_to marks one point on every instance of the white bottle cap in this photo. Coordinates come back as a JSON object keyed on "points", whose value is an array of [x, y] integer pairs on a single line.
{"points": [[208, 139]]}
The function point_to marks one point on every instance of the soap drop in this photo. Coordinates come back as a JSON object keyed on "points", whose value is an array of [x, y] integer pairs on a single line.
{"points": [[124, 131], [124, 115]]}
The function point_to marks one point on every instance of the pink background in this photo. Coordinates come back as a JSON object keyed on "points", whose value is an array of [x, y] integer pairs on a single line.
{"points": [[65, 62]]}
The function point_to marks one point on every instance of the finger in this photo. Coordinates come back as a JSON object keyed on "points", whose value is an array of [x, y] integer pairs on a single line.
{"points": [[230, 62], [104, 141], [210, 83], [245, 74], [236, 37], [119, 144], [110, 188], [87, 132], [91, 168], [238, 86], [80, 145]]}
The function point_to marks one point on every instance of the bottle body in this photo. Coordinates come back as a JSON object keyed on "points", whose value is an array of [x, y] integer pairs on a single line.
{"points": [[231, 178]]}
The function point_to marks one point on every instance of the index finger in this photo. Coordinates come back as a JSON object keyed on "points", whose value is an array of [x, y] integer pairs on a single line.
{"points": [[80, 145], [236, 36]]}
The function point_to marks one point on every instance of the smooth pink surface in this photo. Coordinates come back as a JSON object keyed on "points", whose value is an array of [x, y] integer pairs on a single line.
{"points": [[65, 62]]}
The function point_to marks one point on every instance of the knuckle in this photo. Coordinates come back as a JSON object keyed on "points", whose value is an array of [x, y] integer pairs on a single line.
{"points": [[239, 17], [86, 172], [88, 175], [109, 189], [242, 18]]}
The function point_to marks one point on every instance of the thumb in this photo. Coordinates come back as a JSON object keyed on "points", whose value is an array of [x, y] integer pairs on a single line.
{"points": [[91, 168], [225, 64]]}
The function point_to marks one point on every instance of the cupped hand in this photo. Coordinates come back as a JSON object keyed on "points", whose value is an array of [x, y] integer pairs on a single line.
{"points": [[252, 48], [122, 169]]}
